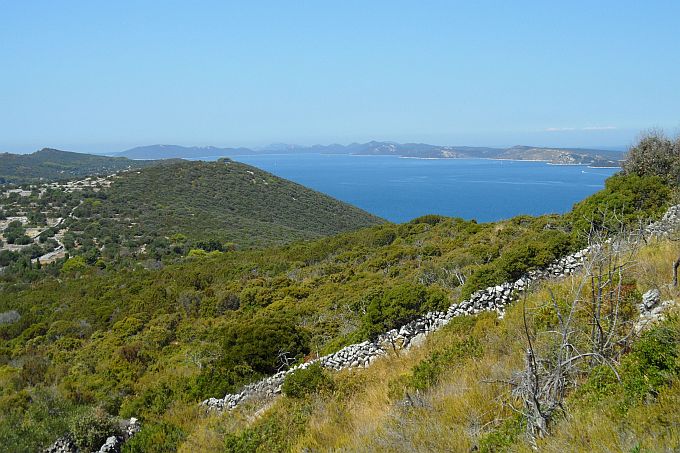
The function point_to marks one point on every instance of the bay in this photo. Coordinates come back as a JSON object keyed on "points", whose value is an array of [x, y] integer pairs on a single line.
{"points": [[400, 189]]}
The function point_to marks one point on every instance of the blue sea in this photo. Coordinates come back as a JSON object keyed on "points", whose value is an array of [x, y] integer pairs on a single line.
{"points": [[400, 189]]}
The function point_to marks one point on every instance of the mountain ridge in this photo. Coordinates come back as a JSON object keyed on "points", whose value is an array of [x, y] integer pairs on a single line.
{"points": [[555, 155]]}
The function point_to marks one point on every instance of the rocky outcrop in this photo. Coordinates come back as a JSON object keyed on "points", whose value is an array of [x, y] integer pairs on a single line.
{"points": [[652, 310], [667, 225], [9, 317], [493, 298], [62, 445]]}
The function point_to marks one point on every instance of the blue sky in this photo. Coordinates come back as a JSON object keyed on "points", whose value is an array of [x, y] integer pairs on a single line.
{"points": [[105, 76]]}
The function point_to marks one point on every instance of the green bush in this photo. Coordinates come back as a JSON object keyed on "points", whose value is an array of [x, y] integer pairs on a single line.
{"points": [[625, 201], [306, 381], [90, 429], [390, 308], [155, 438], [427, 372], [652, 362], [74, 265], [655, 155], [533, 251]]}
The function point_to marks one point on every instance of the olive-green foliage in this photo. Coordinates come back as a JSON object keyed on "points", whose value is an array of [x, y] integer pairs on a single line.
{"points": [[15, 233], [32, 420], [524, 254], [398, 305], [273, 432], [212, 203], [305, 381], [75, 264], [159, 437], [502, 437], [625, 201], [52, 164], [252, 348], [652, 363], [426, 373], [655, 155], [90, 429]]}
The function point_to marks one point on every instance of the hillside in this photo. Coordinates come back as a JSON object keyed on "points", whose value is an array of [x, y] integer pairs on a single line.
{"points": [[87, 344], [161, 213], [569, 156], [225, 200], [52, 165]]}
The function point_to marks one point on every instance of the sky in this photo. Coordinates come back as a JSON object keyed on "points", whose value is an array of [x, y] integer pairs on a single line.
{"points": [[96, 76]]}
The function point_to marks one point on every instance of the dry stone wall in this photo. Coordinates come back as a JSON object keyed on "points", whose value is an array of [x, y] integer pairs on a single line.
{"points": [[494, 298]]}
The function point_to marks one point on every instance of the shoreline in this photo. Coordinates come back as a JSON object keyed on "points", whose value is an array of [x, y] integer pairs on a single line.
{"points": [[548, 162]]}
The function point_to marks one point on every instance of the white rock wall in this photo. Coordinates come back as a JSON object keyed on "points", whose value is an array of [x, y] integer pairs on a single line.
{"points": [[493, 298]]}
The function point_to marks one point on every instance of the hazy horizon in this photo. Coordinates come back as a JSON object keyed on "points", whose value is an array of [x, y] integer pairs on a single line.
{"points": [[108, 151]]}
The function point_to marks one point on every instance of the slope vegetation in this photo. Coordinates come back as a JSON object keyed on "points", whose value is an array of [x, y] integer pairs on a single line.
{"points": [[52, 164], [223, 200], [89, 343]]}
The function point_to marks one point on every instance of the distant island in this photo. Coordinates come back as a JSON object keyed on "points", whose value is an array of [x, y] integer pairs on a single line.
{"points": [[562, 156]]}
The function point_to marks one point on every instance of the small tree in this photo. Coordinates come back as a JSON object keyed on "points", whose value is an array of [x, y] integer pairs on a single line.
{"points": [[591, 328], [655, 155]]}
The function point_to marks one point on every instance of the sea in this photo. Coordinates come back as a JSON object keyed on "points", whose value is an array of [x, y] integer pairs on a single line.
{"points": [[400, 189]]}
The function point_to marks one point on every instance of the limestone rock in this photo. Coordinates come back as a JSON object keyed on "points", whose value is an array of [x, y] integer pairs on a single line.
{"points": [[651, 298]]}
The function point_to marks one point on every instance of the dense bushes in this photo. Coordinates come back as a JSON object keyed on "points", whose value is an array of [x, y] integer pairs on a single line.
{"points": [[652, 363], [15, 233], [252, 348], [392, 307], [536, 251], [90, 429], [625, 201], [303, 382]]}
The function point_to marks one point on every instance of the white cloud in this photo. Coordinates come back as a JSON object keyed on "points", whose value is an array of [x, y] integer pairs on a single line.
{"points": [[560, 129], [599, 128]]}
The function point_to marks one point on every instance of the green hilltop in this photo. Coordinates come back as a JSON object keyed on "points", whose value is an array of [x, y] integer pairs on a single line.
{"points": [[52, 164]]}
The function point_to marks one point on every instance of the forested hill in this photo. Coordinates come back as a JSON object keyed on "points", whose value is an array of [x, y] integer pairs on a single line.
{"points": [[223, 200], [52, 164]]}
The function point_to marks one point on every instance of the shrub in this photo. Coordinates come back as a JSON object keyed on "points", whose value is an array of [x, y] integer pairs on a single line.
{"points": [[155, 438], [652, 362], [398, 305], [90, 429], [306, 381], [626, 199], [654, 155], [430, 219], [532, 252], [74, 265], [427, 372]]}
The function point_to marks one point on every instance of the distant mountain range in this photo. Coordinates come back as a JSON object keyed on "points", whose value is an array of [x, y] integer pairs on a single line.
{"points": [[565, 156], [183, 152]]}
